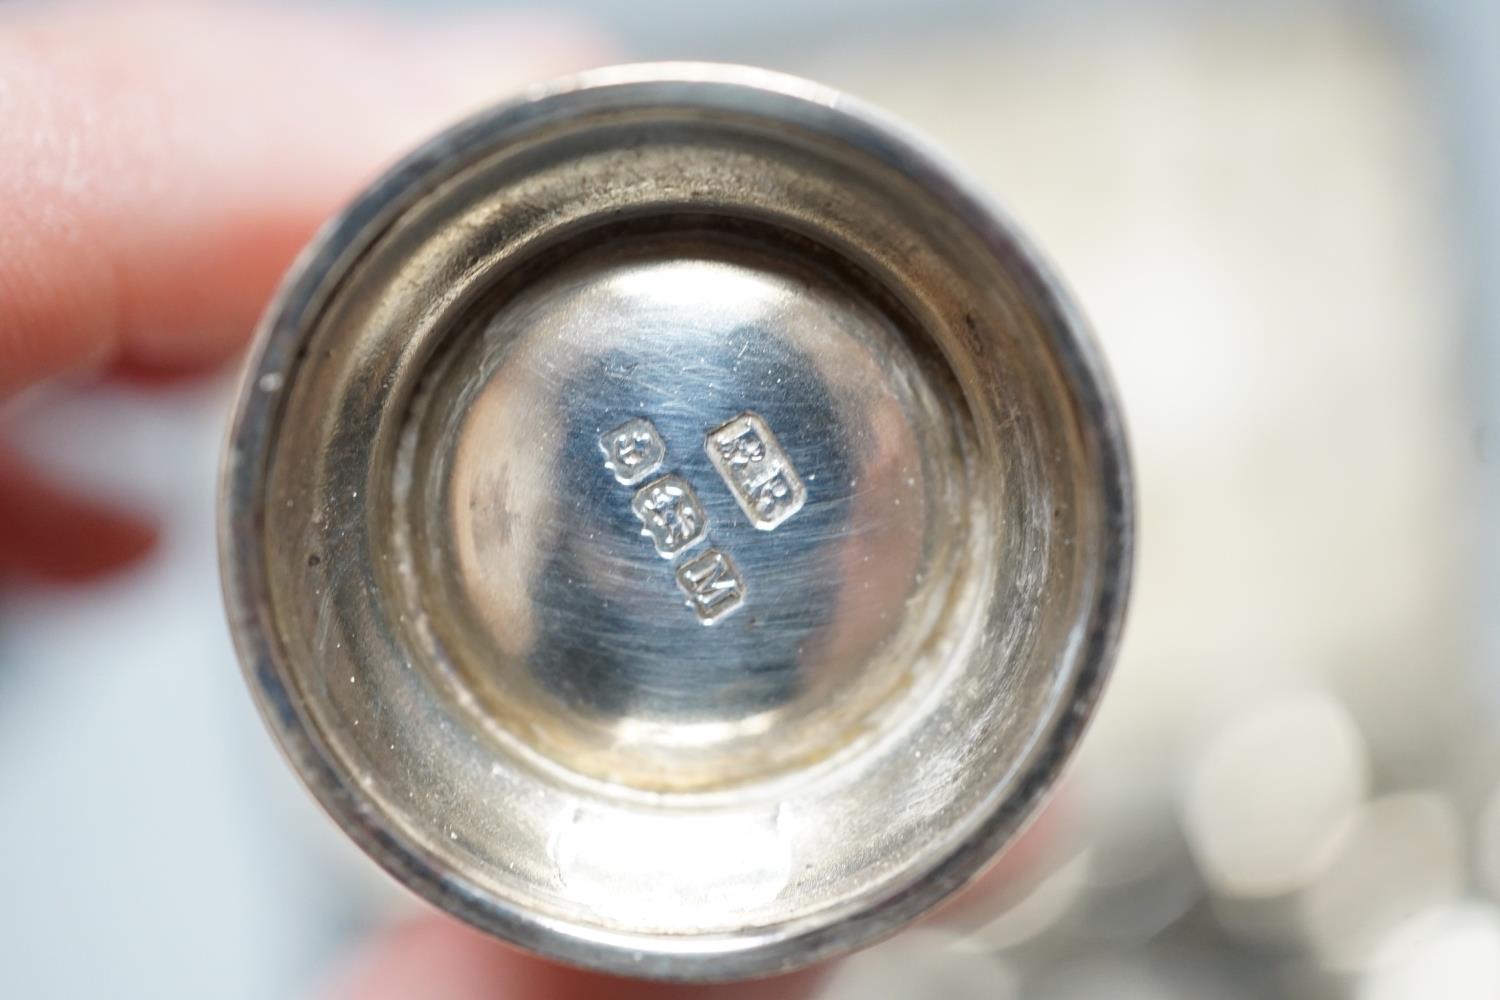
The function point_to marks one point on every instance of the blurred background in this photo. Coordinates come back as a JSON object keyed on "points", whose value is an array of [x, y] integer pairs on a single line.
{"points": [[1284, 219]]}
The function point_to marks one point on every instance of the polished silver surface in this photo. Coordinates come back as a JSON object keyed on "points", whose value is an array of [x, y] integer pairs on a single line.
{"points": [[675, 525]]}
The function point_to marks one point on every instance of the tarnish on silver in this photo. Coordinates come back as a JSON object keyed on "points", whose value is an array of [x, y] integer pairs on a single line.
{"points": [[675, 523]]}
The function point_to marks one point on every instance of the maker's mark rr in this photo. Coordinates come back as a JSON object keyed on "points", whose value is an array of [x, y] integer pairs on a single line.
{"points": [[756, 470]]}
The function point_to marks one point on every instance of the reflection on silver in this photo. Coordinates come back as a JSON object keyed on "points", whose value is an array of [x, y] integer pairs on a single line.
{"points": [[640, 866]]}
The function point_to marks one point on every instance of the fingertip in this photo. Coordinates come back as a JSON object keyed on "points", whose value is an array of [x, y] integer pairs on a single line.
{"points": [[54, 535], [171, 159]]}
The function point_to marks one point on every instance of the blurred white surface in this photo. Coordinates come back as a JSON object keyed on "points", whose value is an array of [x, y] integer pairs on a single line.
{"points": [[1452, 952]]}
